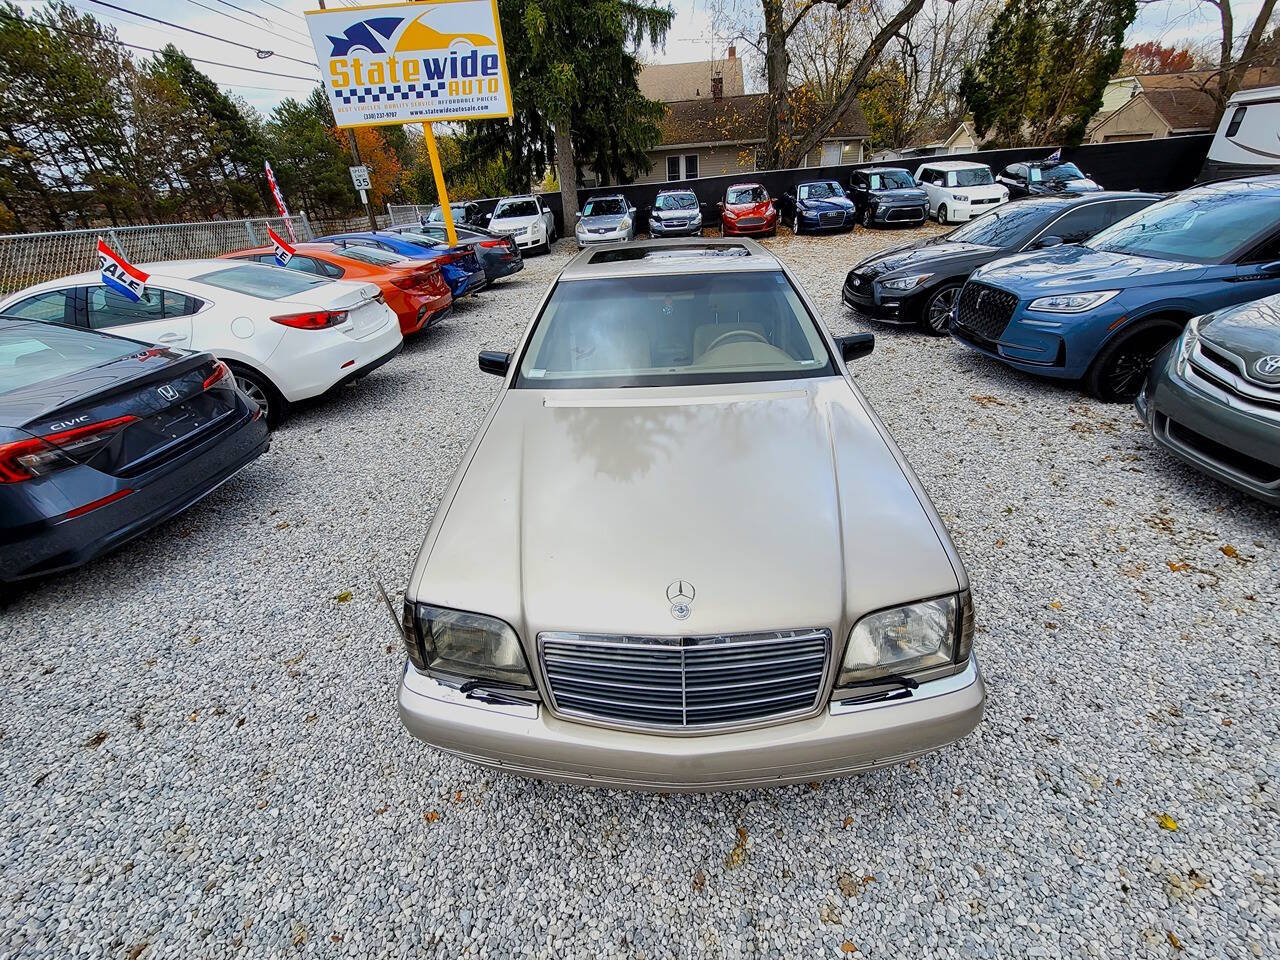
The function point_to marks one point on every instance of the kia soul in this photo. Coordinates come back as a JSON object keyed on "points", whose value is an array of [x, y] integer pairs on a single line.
{"points": [[682, 552]]}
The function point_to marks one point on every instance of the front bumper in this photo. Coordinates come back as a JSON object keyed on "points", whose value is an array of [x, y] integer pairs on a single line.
{"points": [[33, 543], [658, 229], [828, 219], [1213, 429], [842, 740], [908, 214], [613, 236], [961, 211], [877, 304], [739, 228]]}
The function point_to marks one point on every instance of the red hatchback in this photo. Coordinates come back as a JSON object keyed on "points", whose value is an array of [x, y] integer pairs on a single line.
{"points": [[747, 209]]}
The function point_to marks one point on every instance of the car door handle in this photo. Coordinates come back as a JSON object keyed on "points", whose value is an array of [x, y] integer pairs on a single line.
{"points": [[171, 338]]}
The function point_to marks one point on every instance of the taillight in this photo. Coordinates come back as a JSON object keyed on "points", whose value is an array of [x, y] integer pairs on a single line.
{"points": [[39, 456], [493, 243], [451, 258], [220, 372], [312, 320]]}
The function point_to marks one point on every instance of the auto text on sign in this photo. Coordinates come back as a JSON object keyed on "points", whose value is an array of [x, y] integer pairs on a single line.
{"points": [[412, 62]]}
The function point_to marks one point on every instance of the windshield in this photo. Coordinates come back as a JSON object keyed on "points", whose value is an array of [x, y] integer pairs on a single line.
{"points": [[1056, 174], [605, 207], [1203, 226], [892, 180], [379, 258], [1006, 226], [820, 191], [437, 213], [976, 177], [268, 283], [35, 352], [675, 201], [670, 330], [516, 208], [754, 194]]}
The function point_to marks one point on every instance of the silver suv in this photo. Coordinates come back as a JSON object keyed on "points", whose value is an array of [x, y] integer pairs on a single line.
{"points": [[682, 552], [675, 213]]}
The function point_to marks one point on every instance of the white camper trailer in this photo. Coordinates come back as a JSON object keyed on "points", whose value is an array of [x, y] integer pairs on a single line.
{"points": [[1248, 137]]}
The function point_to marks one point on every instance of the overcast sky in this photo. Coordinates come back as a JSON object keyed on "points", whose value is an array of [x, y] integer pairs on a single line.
{"points": [[279, 26]]}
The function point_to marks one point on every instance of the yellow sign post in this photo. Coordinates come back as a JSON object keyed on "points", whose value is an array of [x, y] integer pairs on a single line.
{"points": [[424, 62]]}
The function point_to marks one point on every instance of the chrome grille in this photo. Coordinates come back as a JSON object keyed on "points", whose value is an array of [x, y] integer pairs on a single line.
{"points": [[685, 682]]}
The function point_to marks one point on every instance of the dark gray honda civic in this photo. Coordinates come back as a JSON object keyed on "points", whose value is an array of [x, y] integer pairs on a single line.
{"points": [[1212, 397]]}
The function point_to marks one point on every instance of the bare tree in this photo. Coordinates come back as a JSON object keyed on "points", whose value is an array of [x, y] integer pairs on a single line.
{"points": [[1230, 69]]}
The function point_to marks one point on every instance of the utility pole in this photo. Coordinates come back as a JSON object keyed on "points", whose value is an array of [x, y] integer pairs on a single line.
{"points": [[355, 155]]}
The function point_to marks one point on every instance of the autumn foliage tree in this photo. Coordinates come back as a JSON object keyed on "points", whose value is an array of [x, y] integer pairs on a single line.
{"points": [[1151, 56]]}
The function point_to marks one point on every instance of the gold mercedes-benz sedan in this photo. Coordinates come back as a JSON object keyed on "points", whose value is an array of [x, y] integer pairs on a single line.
{"points": [[682, 552]]}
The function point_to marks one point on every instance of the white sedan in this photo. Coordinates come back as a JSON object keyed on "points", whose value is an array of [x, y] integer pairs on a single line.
{"points": [[286, 335], [527, 220]]}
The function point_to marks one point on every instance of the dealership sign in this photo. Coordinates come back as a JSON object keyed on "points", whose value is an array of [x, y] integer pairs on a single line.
{"points": [[412, 62]]}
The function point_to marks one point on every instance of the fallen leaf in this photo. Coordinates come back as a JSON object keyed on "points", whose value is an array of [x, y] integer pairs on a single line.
{"points": [[295, 660], [1226, 721], [699, 880], [738, 855], [381, 810], [1177, 566], [1055, 605], [431, 816], [1166, 822], [1174, 941], [829, 914], [98, 739], [299, 934], [848, 822], [136, 950], [848, 947], [1000, 542], [282, 524], [344, 596], [1229, 551], [457, 797]]}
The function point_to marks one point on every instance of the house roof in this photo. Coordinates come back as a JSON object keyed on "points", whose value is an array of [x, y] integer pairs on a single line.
{"points": [[1203, 79], [1184, 100], [682, 81], [739, 120]]}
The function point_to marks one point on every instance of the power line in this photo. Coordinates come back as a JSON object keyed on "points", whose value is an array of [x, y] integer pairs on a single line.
{"points": [[283, 10], [201, 33], [249, 23], [134, 46], [265, 19]]}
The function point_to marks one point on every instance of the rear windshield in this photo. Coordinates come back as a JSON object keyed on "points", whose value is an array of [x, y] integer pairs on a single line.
{"points": [[892, 180], [675, 201], [671, 330], [1201, 226], [605, 207], [375, 256], [259, 281], [516, 208], [976, 177], [34, 352], [746, 195]]}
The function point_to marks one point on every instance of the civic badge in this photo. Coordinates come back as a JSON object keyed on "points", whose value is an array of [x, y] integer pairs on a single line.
{"points": [[1268, 367], [681, 594]]}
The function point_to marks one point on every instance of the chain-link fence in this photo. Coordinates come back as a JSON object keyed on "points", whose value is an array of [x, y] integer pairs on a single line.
{"points": [[28, 258], [402, 213], [324, 227]]}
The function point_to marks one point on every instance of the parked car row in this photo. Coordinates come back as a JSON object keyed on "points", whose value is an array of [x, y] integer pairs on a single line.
{"points": [[1170, 303], [116, 414]]}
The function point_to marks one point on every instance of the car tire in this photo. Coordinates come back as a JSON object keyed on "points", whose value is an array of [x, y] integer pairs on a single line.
{"points": [[262, 391], [1120, 368], [935, 312], [942, 213], [865, 219], [795, 225]]}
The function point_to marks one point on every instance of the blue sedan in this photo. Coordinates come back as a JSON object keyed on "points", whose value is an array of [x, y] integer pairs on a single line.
{"points": [[1100, 311], [819, 205], [459, 265]]}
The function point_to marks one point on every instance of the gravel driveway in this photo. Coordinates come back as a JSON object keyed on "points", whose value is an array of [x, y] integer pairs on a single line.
{"points": [[200, 757]]}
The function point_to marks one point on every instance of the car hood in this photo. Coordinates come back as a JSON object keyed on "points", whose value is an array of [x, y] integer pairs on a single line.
{"points": [[1250, 331], [827, 203], [1079, 185], [781, 503], [1069, 268], [761, 209], [610, 220], [900, 195], [932, 254], [675, 214]]}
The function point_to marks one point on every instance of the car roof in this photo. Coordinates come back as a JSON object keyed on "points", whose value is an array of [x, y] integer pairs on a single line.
{"points": [[669, 256], [882, 170], [606, 196], [1264, 183], [952, 164], [161, 270], [675, 190], [517, 196]]}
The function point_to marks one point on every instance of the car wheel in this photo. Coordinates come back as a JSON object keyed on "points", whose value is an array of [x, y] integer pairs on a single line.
{"points": [[262, 392], [1120, 368], [866, 217], [942, 213], [935, 314], [795, 225]]}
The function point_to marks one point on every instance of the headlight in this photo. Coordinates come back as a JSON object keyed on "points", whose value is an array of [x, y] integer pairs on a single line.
{"points": [[624, 223], [905, 283], [1004, 196], [918, 636], [463, 645], [1073, 302], [1188, 341], [959, 196]]}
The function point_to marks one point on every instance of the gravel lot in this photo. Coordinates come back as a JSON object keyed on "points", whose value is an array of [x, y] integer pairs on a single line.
{"points": [[200, 755]]}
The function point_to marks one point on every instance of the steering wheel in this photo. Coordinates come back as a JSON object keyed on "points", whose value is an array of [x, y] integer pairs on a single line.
{"points": [[735, 333]]}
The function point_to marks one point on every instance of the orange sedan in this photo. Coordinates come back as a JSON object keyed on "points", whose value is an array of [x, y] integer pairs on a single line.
{"points": [[414, 289]]}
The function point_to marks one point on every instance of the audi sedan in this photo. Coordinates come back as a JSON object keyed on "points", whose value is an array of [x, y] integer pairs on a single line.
{"points": [[656, 568]]}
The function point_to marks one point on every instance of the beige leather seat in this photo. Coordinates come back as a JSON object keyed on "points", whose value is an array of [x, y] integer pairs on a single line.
{"points": [[705, 334]]}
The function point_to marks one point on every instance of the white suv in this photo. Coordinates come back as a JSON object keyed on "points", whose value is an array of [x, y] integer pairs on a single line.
{"points": [[959, 190], [526, 220]]}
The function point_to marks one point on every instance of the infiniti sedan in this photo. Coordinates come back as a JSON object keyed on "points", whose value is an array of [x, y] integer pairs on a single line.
{"points": [[656, 567]]}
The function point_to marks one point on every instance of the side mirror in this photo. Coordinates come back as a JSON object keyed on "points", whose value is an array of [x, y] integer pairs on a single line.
{"points": [[856, 345], [720, 204], [1270, 269], [1050, 241], [578, 215], [491, 361]]}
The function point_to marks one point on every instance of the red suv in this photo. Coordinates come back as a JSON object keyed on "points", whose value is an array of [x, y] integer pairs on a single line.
{"points": [[747, 209]]}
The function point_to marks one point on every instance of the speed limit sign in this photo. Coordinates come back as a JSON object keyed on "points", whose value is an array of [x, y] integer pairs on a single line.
{"points": [[360, 177]]}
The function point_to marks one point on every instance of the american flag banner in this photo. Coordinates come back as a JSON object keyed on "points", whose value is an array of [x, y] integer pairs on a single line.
{"points": [[1055, 157], [284, 211], [284, 251], [121, 275]]}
